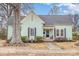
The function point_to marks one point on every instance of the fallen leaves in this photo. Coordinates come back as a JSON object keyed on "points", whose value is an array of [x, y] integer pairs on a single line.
{"points": [[37, 46], [66, 45]]}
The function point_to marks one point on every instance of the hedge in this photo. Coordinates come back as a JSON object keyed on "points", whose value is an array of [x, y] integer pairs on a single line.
{"points": [[24, 39]]}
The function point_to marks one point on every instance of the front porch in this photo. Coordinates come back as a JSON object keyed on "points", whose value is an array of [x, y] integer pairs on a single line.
{"points": [[48, 33]]}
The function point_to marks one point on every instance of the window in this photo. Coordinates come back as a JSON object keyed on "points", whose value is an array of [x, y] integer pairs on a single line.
{"points": [[0, 22], [32, 32], [44, 32], [0, 18], [61, 32], [57, 32]]}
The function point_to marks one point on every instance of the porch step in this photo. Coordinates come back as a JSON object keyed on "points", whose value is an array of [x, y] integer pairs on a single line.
{"points": [[48, 40]]}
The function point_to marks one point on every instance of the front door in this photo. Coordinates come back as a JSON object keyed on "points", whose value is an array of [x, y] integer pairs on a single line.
{"points": [[47, 33]]}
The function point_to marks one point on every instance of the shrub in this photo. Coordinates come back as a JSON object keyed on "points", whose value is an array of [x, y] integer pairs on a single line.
{"points": [[38, 39], [75, 36], [2, 35], [62, 40], [24, 39]]}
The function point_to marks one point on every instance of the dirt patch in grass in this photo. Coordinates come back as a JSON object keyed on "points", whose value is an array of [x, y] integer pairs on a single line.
{"points": [[27, 46], [67, 45], [2, 42], [37, 46]]}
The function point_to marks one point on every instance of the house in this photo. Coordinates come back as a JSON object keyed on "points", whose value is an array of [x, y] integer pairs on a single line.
{"points": [[48, 26], [1, 21]]}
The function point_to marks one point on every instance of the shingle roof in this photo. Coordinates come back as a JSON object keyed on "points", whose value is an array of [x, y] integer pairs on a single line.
{"points": [[50, 19], [56, 19], [10, 20]]}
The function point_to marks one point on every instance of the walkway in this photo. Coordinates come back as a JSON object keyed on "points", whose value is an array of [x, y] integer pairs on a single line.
{"points": [[52, 46]]}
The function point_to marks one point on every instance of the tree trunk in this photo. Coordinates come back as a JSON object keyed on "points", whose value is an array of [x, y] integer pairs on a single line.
{"points": [[16, 38]]}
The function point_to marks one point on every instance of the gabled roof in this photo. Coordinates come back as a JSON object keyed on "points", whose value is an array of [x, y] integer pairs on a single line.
{"points": [[50, 19], [56, 19]]}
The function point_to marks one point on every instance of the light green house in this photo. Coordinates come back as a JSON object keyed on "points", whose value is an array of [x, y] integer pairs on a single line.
{"points": [[48, 26]]}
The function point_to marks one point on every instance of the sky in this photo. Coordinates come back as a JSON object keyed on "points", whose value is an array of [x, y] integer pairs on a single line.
{"points": [[41, 8], [64, 8]]}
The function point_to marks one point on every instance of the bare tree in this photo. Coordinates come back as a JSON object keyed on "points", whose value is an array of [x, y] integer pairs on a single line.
{"points": [[16, 38], [5, 12], [26, 7], [8, 8], [16, 24], [54, 9], [15, 8]]}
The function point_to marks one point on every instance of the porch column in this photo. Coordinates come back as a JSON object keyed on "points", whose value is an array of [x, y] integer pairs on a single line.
{"points": [[28, 32], [54, 33], [65, 32]]}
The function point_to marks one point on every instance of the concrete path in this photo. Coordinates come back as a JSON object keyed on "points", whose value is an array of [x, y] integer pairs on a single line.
{"points": [[52, 46]]}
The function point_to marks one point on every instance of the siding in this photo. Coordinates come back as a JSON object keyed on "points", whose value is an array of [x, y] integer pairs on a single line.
{"points": [[9, 32], [68, 31], [32, 21]]}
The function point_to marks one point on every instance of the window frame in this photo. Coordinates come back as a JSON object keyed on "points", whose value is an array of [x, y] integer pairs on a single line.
{"points": [[32, 32], [58, 31], [62, 32]]}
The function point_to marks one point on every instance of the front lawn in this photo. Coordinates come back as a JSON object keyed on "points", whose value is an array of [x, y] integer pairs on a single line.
{"points": [[37, 46], [67, 45]]}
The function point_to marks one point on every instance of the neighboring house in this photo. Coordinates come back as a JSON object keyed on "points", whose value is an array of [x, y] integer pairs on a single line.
{"points": [[48, 26], [78, 25], [1, 24]]}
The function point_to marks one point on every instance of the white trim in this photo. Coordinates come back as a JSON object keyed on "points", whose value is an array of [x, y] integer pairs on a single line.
{"points": [[45, 27], [52, 30], [33, 14]]}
